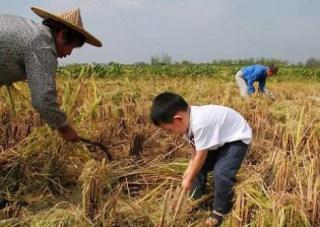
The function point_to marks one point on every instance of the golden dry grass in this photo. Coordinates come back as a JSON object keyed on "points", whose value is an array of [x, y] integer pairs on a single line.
{"points": [[54, 183]]}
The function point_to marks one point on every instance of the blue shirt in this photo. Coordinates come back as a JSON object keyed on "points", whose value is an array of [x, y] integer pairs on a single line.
{"points": [[254, 73]]}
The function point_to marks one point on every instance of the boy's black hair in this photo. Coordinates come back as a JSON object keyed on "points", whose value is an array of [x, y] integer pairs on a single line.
{"points": [[165, 106], [70, 36]]}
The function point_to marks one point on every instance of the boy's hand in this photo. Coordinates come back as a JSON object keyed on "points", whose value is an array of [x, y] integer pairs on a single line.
{"points": [[193, 169], [186, 184]]}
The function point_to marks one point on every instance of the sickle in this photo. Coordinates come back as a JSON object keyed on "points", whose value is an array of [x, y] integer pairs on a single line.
{"points": [[100, 145]]}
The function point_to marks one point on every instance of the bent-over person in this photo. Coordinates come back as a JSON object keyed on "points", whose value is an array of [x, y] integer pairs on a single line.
{"points": [[29, 51]]}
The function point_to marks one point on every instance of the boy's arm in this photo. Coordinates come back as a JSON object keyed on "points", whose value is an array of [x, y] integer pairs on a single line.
{"points": [[194, 168], [193, 154]]}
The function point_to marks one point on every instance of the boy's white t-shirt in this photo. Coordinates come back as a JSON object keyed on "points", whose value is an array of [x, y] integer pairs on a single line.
{"points": [[212, 126]]}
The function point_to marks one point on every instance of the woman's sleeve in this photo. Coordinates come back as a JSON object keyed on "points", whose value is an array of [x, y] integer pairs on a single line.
{"points": [[41, 65]]}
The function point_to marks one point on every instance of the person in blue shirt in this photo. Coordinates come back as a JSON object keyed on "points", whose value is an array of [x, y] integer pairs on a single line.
{"points": [[249, 74]]}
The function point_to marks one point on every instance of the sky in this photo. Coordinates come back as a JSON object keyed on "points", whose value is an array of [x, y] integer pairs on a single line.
{"points": [[194, 30]]}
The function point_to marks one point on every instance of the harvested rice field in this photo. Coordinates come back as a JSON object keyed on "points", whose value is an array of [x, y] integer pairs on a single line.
{"points": [[53, 183]]}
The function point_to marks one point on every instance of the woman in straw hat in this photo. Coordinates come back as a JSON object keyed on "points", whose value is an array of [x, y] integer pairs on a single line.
{"points": [[29, 51]]}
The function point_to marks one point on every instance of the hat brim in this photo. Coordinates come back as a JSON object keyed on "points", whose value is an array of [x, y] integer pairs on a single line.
{"points": [[47, 15]]}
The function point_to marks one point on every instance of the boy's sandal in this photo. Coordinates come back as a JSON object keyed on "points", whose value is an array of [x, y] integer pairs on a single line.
{"points": [[214, 220]]}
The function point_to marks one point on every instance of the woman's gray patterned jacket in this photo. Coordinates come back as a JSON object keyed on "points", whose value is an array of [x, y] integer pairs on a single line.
{"points": [[27, 52]]}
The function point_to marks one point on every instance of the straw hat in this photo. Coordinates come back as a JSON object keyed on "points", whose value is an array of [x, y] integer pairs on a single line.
{"points": [[71, 19]]}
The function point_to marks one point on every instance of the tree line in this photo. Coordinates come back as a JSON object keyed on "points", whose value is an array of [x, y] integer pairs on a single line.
{"points": [[165, 59]]}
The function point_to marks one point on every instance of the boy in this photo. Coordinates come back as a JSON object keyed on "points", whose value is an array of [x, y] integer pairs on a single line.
{"points": [[249, 74], [220, 137]]}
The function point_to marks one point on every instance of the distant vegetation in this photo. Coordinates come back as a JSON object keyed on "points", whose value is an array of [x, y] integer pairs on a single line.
{"points": [[164, 66]]}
